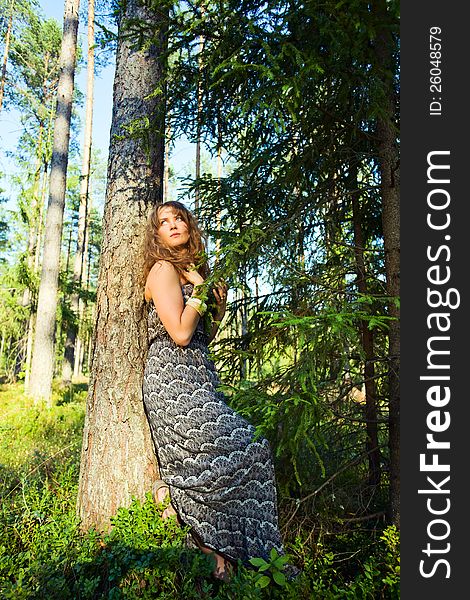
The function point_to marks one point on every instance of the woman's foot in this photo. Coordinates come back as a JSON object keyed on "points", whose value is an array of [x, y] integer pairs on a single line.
{"points": [[223, 567], [161, 493]]}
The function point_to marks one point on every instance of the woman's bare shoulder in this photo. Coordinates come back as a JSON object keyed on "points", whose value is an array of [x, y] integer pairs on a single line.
{"points": [[161, 274], [162, 268]]}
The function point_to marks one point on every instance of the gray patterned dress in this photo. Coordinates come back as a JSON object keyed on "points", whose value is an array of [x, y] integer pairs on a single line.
{"points": [[221, 480]]}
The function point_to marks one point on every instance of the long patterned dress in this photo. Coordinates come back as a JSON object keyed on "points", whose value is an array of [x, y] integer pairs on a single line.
{"points": [[221, 479]]}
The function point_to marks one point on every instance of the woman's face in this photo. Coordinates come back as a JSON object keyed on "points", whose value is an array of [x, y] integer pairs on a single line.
{"points": [[173, 230]]}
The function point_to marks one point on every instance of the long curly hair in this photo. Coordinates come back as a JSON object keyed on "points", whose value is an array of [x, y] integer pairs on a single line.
{"points": [[182, 257]]}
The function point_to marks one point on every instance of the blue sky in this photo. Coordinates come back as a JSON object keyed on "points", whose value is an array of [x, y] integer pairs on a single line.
{"points": [[183, 153]]}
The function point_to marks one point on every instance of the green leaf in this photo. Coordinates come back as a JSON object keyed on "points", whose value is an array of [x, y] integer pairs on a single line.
{"points": [[258, 562], [263, 581], [279, 578], [280, 562]]}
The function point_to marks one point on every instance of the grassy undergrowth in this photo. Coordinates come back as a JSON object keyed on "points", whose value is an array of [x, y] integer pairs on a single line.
{"points": [[44, 555]]}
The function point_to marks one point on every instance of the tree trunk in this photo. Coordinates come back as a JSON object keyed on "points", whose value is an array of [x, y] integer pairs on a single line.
{"points": [[67, 366], [118, 459], [82, 303], [367, 337], [5, 55], [42, 368], [166, 173], [390, 185], [37, 251], [198, 125], [33, 230], [219, 187], [2, 347]]}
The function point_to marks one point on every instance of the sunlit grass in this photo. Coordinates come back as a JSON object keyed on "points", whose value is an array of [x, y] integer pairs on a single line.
{"points": [[30, 433]]}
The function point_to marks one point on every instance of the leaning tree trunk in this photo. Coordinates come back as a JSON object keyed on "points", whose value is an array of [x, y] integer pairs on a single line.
{"points": [[390, 185], [118, 459], [72, 327], [42, 368]]}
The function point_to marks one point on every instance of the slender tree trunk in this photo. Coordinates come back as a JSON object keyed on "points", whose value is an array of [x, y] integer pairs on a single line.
{"points": [[69, 246], [82, 304], [367, 336], [67, 366], [219, 185], [87, 338], [198, 125], [166, 175], [42, 368], [390, 186], [2, 347], [118, 459], [37, 251], [44, 185], [33, 225], [5, 55]]}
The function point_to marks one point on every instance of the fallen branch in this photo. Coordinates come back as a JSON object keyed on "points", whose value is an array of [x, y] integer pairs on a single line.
{"points": [[351, 463]]}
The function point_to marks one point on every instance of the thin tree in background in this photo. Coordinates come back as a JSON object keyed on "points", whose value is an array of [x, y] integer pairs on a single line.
{"points": [[42, 368], [118, 459], [166, 174], [72, 329], [198, 124], [37, 255], [390, 189], [33, 79], [33, 229], [5, 53], [82, 302], [367, 335], [14, 10]]}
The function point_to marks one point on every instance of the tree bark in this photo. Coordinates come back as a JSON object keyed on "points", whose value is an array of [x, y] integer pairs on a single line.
{"points": [[72, 329], [198, 126], [5, 55], [367, 338], [32, 320], [166, 174], [33, 230], [82, 303], [390, 185], [42, 369], [118, 459]]}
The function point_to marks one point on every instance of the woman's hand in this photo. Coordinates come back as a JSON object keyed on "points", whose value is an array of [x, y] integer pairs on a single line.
{"points": [[220, 294], [192, 276]]}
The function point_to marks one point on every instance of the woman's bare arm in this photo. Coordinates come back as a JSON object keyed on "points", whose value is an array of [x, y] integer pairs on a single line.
{"points": [[180, 321]]}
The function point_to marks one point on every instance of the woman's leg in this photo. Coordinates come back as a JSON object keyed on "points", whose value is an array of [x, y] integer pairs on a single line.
{"points": [[222, 566]]}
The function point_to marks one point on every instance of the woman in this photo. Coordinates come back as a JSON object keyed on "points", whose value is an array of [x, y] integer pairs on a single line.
{"points": [[220, 480]]}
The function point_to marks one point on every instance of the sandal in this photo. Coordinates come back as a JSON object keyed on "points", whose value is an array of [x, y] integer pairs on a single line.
{"points": [[159, 483]]}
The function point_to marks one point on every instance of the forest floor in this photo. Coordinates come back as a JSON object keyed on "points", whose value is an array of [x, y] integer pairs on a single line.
{"points": [[44, 555]]}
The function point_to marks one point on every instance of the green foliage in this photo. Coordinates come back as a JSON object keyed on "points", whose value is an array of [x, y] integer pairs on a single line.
{"points": [[43, 554], [292, 93], [270, 571]]}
